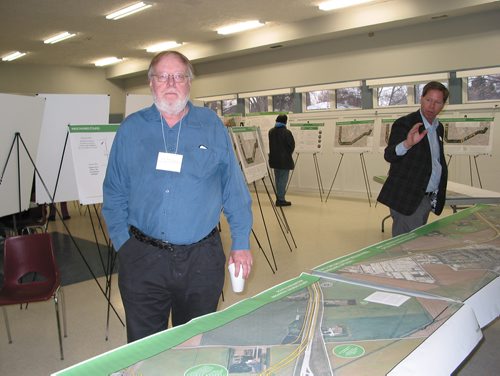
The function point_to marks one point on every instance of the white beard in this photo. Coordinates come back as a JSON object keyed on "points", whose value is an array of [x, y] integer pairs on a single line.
{"points": [[171, 109]]}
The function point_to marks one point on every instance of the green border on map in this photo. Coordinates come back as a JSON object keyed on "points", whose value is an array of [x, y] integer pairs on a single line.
{"points": [[132, 353]]}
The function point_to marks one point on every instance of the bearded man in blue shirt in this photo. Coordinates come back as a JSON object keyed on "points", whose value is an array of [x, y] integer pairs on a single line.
{"points": [[171, 172]]}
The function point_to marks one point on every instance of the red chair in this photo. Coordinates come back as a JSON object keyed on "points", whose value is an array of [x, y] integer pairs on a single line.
{"points": [[31, 275]]}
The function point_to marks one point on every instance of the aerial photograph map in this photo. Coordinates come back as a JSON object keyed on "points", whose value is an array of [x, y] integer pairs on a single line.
{"points": [[453, 257], [320, 327]]}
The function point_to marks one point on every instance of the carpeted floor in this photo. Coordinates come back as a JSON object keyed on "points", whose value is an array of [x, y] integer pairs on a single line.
{"points": [[77, 259]]}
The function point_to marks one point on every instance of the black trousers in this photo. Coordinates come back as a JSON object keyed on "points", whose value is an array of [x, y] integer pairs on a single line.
{"points": [[186, 280]]}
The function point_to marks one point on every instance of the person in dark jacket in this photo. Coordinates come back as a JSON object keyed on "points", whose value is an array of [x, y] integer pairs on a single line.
{"points": [[281, 147], [418, 174]]}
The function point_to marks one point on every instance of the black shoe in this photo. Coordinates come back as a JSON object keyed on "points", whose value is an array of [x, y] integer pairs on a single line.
{"points": [[52, 218], [283, 203], [66, 217]]}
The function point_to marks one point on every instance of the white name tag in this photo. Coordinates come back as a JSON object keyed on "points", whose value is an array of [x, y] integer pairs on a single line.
{"points": [[169, 162]]}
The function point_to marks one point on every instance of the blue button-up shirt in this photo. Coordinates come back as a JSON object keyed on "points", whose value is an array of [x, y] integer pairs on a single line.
{"points": [[178, 207], [434, 144]]}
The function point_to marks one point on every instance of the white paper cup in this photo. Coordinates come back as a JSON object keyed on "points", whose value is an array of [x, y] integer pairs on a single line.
{"points": [[238, 283]]}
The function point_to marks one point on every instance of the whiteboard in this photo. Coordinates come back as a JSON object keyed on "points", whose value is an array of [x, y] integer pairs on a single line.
{"points": [[20, 114], [136, 102], [60, 111]]}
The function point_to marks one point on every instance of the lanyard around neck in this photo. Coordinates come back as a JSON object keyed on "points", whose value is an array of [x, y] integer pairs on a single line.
{"points": [[163, 134]]}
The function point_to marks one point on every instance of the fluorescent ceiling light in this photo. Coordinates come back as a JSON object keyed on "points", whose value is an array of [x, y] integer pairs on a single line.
{"points": [[242, 26], [134, 8], [107, 61], [59, 37], [337, 4], [163, 46], [13, 56]]}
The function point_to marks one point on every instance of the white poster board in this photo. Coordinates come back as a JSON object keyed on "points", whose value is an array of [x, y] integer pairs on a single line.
{"points": [[136, 102], [354, 135], [60, 111], [468, 135], [90, 148], [308, 137], [247, 142], [20, 115]]}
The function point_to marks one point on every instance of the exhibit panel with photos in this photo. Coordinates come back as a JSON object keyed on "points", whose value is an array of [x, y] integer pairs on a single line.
{"points": [[470, 134]]}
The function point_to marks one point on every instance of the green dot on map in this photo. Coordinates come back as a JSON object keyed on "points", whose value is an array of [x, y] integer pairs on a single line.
{"points": [[207, 370], [348, 351]]}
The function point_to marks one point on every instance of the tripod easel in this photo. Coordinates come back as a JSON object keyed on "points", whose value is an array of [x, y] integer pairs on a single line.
{"points": [[318, 174], [365, 176], [108, 264]]}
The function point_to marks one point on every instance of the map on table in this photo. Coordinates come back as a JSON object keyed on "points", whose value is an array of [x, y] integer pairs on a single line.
{"points": [[307, 326]]}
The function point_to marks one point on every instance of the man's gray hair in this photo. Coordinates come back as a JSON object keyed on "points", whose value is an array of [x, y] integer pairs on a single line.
{"points": [[159, 56]]}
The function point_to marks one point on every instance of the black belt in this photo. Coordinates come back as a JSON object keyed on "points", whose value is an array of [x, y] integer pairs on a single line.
{"points": [[142, 237]]}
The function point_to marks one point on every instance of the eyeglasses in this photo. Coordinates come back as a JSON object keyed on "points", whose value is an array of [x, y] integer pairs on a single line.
{"points": [[179, 78]]}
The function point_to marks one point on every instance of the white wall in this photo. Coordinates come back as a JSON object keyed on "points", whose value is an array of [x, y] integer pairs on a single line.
{"points": [[33, 79], [440, 46]]}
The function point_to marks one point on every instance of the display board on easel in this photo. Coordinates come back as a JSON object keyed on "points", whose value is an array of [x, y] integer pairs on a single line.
{"points": [[354, 136], [54, 160], [21, 115], [468, 135], [90, 148], [308, 137], [247, 142]]}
